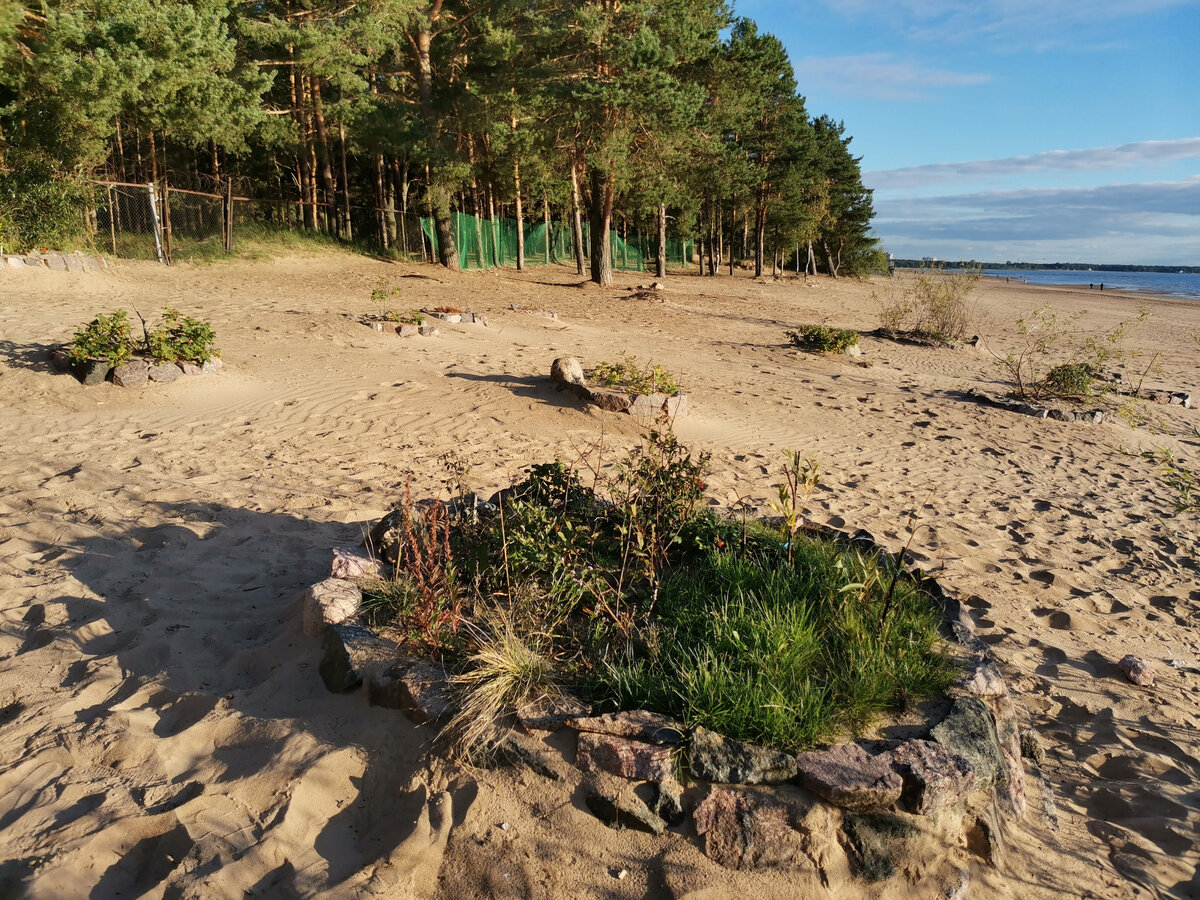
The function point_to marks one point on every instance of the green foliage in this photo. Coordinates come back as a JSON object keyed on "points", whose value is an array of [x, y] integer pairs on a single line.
{"points": [[41, 204], [1058, 359], [108, 339], [823, 338], [777, 651], [181, 339], [382, 295], [627, 375], [932, 304], [1180, 478]]}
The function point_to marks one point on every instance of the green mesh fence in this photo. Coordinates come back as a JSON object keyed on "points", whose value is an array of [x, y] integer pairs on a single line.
{"points": [[485, 243]]}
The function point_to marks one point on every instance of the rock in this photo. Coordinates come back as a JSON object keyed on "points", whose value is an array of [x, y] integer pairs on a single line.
{"points": [[933, 776], [1011, 787], [566, 370], [515, 749], [849, 777], [620, 756], [74, 262], [421, 689], [134, 373], [875, 843], [428, 329], [350, 653], [984, 839], [984, 680], [1060, 415], [60, 359], [550, 713], [637, 725], [1092, 417], [164, 373], [667, 801], [610, 401], [16, 262], [189, 368], [408, 330], [853, 350], [1136, 670], [1160, 397], [90, 263], [715, 757], [329, 602], [212, 366], [614, 803], [1179, 398], [352, 562], [677, 406], [91, 372], [648, 406], [657, 286], [55, 262], [745, 829], [969, 732]]}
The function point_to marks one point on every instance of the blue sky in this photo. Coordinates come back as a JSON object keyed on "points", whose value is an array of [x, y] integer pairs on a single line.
{"points": [[1032, 130]]}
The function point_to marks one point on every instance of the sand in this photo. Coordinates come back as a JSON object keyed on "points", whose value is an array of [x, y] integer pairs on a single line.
{"points": [[163, 729]]}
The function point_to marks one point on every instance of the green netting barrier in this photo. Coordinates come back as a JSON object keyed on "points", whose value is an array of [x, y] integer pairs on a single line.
{"points": [[486, 243]]}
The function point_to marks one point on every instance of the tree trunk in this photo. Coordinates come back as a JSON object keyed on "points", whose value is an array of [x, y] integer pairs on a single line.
{"points": [[661, 268], [760, 236], [520, 212], [600, 216], [439, 193], [381, 202], [347, 226], [546, 222], [323, 142], [576, 219], [829, 260]]}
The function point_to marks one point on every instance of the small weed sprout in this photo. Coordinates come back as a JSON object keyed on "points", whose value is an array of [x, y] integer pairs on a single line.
{"points": [[1176, 475], [627, 375], [382, 296], [801, 477]]}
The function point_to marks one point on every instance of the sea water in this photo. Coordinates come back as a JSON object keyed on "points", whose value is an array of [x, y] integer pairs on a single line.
{"points": [[1168, 284]]}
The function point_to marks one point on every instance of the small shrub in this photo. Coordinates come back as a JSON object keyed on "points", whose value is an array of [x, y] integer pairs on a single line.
{"points": [[823, 338], [382, 295], [1176, 475], [413, 317], [626, 374], [181, 339], [932, 304], [105, 339], [1058, 359]]}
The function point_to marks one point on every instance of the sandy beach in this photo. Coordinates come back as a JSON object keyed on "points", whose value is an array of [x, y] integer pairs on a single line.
{"points": [[163, 728]]}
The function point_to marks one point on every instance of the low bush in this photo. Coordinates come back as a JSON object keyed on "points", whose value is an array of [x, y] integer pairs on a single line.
{"points": [[109, 339], [823, 338], [181, 339], [627, 375], [932, 304], [382, 295], [626, 589]]}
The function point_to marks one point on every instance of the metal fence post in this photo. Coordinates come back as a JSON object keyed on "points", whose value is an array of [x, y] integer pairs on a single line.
{"points": [[158, 243]]}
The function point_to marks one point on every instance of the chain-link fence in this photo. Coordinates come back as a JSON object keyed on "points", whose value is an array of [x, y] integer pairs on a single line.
{"points": [[127, 219]]}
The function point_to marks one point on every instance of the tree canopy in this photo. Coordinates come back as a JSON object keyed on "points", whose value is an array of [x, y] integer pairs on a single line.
{"points": [[628, 114]]}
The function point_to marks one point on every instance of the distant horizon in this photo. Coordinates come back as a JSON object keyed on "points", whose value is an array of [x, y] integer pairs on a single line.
{"points": [[1187, 268]]}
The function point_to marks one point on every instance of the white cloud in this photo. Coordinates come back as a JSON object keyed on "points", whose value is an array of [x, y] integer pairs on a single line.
{"points": [[1116, 217], [880, 76], [1125, 156]]}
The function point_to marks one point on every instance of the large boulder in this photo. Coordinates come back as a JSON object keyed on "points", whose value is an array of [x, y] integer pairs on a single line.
{"points": [[968, 731], [849, 777], [715, 757], [351, 653], [933, 776], [636, 724], [423, 690], [329, 602], [566, 370], [134, 373], [610, 401], [165, 373], [746, 829], [621, 756]]}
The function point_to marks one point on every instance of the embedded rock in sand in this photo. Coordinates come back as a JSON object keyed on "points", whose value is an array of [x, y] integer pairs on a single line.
{"points": [[566, 370], [746, 829], [620, 756], [667, 801], [165, 373], [421, 689], [715, 757], [636, 724], [134, 373], [1137, 671], [876, 843], [351, 562], [329, 602], [648, 405], [984, 680], [614, 803], [610, 401], [969, 732], [351, 651], [933, 776], [551, 713], [851, 778]]}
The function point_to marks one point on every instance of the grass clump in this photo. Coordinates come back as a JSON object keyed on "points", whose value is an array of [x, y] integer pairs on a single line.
{"points": [[627, 375], [624, 588], [823, 338]]}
